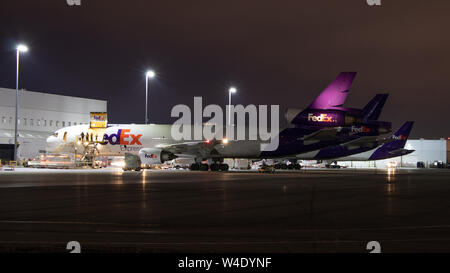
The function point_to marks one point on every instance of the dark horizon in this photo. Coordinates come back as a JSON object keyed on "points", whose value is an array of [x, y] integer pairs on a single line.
{"points": [[274, 52]]}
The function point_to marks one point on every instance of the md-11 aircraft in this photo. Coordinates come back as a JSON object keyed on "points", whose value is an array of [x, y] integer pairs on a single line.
{"points": [[365, 148], [324, 123], [393, 148]]}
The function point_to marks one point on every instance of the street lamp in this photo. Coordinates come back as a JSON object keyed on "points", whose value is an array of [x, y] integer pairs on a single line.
{"points": [[149, 75], [20, 48], [230, 91]]}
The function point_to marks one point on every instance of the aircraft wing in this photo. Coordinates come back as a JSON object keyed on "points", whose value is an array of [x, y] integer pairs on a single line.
{"points": [[366, 141], [322, 134], [401, 151]]}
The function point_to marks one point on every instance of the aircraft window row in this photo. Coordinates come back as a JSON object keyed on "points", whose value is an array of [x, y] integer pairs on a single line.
{"points": [[40, 122]]}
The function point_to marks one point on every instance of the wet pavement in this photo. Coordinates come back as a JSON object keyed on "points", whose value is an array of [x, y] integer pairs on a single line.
{"points": [[181, 211]]}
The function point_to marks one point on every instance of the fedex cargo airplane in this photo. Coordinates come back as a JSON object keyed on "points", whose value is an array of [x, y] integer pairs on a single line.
{"points": [[365, 148], [390, 149], [304, 136], [325, 122]]}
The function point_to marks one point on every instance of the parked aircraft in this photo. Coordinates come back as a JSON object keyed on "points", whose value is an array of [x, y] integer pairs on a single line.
{"points": [[325, 122], [365, 148]]}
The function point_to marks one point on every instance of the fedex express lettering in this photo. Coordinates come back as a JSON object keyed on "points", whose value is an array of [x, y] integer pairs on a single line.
{"points": [[362, 129], [400, 137], [151, 156], [122, 138], [320, 118]]}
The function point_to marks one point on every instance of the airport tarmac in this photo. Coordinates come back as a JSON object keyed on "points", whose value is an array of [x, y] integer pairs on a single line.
{"points": [[181, 211]]}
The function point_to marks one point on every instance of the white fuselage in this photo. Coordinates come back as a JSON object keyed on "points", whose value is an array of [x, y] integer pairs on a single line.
{"points": [[130, 138]]}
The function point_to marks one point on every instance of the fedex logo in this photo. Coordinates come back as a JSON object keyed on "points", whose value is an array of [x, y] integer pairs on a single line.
{"points": [[320, 118], [400, 137], [151, 156], [362, 129], [122, 137]]}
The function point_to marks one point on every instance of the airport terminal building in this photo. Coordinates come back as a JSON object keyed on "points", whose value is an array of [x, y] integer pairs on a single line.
{"points": [[39, 115]]}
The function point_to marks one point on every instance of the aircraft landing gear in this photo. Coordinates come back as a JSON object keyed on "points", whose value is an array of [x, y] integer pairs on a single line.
{"points": [[204, 167], [214, 167], [194, 167], [219, 166], [224, 167], [199, 167], [284, 166]]}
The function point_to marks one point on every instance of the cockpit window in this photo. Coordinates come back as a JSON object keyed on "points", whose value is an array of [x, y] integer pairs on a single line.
{"points": [[55, 134]]}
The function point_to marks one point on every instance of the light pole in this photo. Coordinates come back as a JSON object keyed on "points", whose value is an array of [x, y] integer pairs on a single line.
{"points": [[20, 48], [230, 91], [149, 75]]}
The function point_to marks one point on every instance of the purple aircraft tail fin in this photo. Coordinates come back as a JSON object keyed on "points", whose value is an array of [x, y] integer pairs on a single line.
{"points": [[394, 148], [335, 94], [372, 110], [403, 132]]}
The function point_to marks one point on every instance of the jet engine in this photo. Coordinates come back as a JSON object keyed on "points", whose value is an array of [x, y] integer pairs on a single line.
{"points": [[155, 156]]}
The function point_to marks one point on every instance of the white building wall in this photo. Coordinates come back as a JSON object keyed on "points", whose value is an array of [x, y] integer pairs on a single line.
{"points": [[426, 150], [39, 115]]}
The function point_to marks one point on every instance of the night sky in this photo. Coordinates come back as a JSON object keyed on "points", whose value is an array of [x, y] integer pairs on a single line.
{"points": [[274, 52]]}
